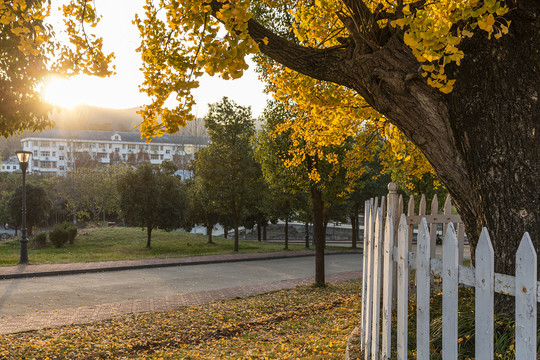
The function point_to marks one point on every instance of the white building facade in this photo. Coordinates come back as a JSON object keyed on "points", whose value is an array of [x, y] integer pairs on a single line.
{"points": [[11, 165], [56, 151]]}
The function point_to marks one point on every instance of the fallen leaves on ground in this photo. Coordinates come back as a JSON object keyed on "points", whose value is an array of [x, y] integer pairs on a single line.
{"points": [[302, 323]]}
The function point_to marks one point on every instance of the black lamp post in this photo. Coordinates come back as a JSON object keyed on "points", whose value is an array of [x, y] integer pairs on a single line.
{"points": [[24, 158]]}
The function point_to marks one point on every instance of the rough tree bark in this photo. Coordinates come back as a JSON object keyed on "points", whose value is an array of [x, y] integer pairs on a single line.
{"points": [[481, 139]]}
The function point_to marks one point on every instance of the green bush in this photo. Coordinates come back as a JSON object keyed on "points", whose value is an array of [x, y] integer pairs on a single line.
{"points": [[59, 236], [72, 230], [39, 241]]}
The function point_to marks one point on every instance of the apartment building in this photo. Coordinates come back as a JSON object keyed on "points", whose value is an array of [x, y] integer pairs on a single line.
{"points": [[56, 151]]}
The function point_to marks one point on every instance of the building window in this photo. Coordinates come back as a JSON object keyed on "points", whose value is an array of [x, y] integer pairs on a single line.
{"points": [[102, 155], [45, 143], [124, 157], [160, 156], [60, 147], [8, 167], [61, 168], [167, 151], [45, 153], [54, 153], [61, 157], [132, 147], [154, 148], [116, 149], [110, 146], [36, 163], [35, 153], [154, 156]]}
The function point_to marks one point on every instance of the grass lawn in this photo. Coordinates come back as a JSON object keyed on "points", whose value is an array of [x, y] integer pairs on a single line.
{"points": [[302, 323], [121, 243]]}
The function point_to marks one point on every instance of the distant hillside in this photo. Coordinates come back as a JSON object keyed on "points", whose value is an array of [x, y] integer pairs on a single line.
{"points": [[85, 117]]}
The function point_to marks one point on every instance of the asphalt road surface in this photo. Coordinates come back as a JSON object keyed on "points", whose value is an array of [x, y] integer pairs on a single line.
{"points": [[24, 296]]}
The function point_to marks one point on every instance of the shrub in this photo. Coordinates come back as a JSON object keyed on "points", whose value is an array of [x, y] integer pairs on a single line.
{"points": [[59, 236], [72, 230], [39, 241]]}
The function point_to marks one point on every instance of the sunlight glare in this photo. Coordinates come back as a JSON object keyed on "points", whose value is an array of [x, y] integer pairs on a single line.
{"points": [[62, 92]]}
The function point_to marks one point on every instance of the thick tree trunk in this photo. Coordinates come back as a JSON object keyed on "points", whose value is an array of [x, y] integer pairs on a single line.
{"points": [[495, 116], [264, 232], [482, 139], [318, 233], [286, 233], [148, 236], [259, 234]]}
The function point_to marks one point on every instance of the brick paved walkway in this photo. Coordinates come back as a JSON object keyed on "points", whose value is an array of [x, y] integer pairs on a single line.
{"points": [[89, 314]]}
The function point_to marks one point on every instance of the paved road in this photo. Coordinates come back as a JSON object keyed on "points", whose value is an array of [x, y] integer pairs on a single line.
{"points": [[45, 294]]}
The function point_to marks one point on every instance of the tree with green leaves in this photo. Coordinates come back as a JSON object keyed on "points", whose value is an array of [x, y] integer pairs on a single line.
{"points": [[151, 199], [200, 209], [38, 206], [225, 169], [322, 172]]}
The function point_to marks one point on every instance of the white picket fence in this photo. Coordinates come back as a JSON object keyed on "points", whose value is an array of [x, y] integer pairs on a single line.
{"points": [[384, 250]]}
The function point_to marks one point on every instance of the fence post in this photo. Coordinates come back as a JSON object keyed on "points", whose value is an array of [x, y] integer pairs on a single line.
{"points": [[387, 287], [394, 210], [369, 301], [526, 302], [450, 277], [422, 291], [403, 289], [484, 297], [367, 212], [377, 270], [433, 227]]}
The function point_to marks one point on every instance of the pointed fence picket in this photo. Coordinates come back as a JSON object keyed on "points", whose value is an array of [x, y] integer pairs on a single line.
{"points": [[386, 247]]}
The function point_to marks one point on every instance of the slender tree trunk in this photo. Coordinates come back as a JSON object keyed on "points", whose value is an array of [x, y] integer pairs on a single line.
{"points": [[236, 225], [209, 233], [318, 234], [286, 233], [259, 234], [148, 236], [306, 229], [354, 223], [225, 232]]}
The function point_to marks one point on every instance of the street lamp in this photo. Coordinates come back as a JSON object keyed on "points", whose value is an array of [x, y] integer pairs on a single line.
{"points": [[24, 158]]}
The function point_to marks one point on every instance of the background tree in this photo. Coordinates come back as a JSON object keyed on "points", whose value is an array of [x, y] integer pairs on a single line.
{"points": [[151, 200], [200, 209], [37, 210], [300, 155], [428, 67], [225, 169]]}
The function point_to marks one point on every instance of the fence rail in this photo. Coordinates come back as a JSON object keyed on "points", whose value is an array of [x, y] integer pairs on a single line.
{"points": [[387, 244]]}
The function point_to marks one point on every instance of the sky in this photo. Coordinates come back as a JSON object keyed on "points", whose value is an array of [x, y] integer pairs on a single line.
{"points": [[120, 91]]}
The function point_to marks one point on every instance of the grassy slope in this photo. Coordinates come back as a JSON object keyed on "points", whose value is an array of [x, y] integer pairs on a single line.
{"points": [[102, 244]]}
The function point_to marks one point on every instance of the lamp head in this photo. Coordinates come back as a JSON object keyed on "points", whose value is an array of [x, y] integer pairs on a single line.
{"points": [[23, 156]]}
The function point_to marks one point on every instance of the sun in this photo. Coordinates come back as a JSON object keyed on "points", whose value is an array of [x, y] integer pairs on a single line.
{"points": [[62, 92]]}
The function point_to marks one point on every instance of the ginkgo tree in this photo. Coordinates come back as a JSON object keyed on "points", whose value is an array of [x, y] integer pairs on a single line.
{"points": [[458, 77]]}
